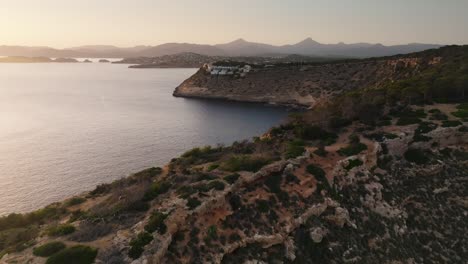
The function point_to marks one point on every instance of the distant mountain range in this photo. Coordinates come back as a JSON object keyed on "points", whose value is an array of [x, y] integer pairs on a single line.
{"points": [[238, 47]]}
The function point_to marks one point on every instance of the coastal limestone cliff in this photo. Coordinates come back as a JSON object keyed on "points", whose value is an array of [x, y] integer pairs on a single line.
{"points": [[302, 85]]}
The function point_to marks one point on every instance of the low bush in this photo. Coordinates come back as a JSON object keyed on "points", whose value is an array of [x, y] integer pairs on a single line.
{"points": [[320, 151], [307, 132], [352, 149], [420, 138], [90, 231], [315, 170], [48, 249], [425, 127], [137, 244], [244, 163], [404, 121], [231, 178], [217, 185], [353, 163], [212, 232], [262, 206], [156, 189], [156, 223], [451, 123], [462, 111], [416, 155], [381, 136], [212, 167], [436, 114], [75, 201], [60, 230], [294, 149], [193, 203], [74, 255]]}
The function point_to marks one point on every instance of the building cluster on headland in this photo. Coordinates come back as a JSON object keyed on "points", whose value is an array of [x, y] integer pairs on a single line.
{"points": [[227, 70]]}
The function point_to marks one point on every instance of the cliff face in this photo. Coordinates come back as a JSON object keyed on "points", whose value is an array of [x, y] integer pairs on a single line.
{"points": [[302, 85]]}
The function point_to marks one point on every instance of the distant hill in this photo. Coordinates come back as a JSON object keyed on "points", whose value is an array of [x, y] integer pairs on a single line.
{"points": [[238, 47]]}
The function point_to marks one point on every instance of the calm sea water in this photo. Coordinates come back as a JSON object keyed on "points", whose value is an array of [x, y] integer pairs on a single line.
{"points": [[64, 128]]}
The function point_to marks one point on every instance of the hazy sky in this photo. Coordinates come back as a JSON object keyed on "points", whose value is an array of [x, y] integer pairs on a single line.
{"points": [[64, 23]]}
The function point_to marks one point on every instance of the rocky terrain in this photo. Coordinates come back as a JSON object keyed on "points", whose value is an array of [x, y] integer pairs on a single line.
{"points": [[303, 84], [343, 182]]}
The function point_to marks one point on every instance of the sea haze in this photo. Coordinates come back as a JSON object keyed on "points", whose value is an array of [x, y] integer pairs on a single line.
{"points": [[64, 128]]}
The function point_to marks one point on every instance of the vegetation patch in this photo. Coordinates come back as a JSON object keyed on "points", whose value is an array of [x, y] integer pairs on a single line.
{"points": [[353, 163], [156, 223], [193, 203], [381, 136], [156, 189], [416, 155], [244, 163], [352, 149], [60, 230], [320, 151], [308, 132], [295, 149], [212, 167], [404, 121], [462, 111], [75, 201], [451, 123], [217, 185], [137, 245], [231, 178], [315, 170], [48, 249], [74, 255]]}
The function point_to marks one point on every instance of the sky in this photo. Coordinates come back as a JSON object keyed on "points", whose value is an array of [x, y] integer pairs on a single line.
{"points": [[68, 23]]}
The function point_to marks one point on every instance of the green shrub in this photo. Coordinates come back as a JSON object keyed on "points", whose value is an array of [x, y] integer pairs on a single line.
{"points": [[294, 150], [451, 123], [381, 136], [416, 155], [212, 232], [217, 185], [320, 151], [48, 249], [149, 173], [156, 223], [193, 203], [352, 149], [75, 201], [462, 111], [213, 167], [156, 189], [315, 170], [60, 230], [338, 122], [262, 206], [463, 129], [404, 121], [436, 114], [244, 163], [420, 138], [273, 182], [231, 178], [353, 163], [307, 132], [74, 255], [425, 127], [137, 244]]}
